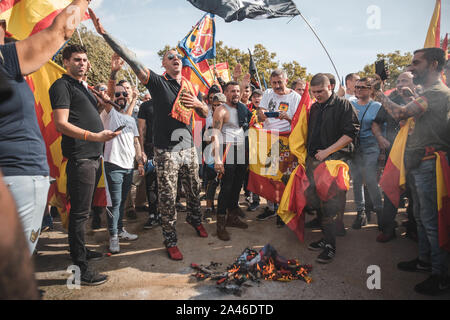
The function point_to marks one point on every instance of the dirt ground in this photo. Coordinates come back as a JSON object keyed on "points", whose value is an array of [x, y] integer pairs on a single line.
{"points": [[143, 271]]}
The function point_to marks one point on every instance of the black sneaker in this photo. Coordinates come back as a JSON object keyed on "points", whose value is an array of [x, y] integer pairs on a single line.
{"points": [[280, 222], [151, 222], [252, 207], [93, 278], [267, 214], [415, 265], [317, 246], [327, 254], [360, 220], [93, 255], [433, 286], [313, 224]]}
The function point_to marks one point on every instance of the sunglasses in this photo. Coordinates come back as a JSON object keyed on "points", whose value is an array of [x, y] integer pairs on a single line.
{"points": [[123, 93], [172, 56], [362, 87]]}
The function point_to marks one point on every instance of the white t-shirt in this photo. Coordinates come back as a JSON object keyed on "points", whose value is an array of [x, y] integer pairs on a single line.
{"points": [[120, 150], [273, 102]]}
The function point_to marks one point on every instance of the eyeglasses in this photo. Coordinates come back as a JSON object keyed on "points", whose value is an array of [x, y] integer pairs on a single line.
{"points": [[172, 56], [102, 89], [123, 93], [362, 87]]}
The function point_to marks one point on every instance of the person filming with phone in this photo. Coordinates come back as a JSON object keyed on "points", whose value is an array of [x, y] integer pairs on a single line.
{"points": [[119, 163]]}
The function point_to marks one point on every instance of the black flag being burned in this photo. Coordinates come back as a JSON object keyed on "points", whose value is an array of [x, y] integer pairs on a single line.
{"points": [[239, 10]]}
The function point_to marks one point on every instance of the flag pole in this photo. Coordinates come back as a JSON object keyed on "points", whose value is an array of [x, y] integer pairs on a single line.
{"points": [[315, 33]]}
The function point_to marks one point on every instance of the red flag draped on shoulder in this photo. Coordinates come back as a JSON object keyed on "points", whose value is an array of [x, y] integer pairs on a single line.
{"points": [[294, 200]]}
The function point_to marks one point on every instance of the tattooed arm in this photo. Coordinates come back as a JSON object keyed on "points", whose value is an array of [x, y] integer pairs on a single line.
{"points": [[217, 138], [138, 157], [139, 69], [412, 109]]}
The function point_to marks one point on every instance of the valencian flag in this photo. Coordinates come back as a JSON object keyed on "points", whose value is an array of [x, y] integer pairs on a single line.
{"points": [[27, 17], [433, 39], [200, 43], [232, 10]]}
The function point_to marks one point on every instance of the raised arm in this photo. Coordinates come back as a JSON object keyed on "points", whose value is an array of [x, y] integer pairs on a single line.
{"points": [[412, 109], [36, 50], [139, 69]]}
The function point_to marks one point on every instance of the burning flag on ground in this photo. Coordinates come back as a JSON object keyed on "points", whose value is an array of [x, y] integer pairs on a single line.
{"points": [[252, 265]]}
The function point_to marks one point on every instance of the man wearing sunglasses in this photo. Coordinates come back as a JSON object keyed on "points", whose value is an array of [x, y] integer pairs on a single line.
{"points": [[174, 148], [364, 165]]}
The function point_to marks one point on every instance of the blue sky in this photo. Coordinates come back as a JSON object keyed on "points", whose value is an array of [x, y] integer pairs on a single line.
{"points": [[146, 26]]}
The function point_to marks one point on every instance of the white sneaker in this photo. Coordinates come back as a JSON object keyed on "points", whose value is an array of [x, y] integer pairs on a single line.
{"points": [[124, 235], [114, 246]]}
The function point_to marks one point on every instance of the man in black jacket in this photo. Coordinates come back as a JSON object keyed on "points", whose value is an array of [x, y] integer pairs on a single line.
{"points": [[333, 126]]}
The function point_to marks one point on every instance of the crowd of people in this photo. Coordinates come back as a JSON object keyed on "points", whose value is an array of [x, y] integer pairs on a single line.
{"points": [[143, 145]]}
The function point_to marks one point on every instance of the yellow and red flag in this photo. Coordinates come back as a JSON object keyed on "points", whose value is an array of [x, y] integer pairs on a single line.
{"points": [[293, 200], [433, 39], [443, 199], [271, 163], [27, 17], [331, 176], [393, 180]]}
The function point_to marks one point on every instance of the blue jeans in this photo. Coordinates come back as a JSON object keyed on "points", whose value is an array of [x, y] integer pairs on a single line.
{"points": [[422, 181], [30, 194], [364, 168], [119, 184]]}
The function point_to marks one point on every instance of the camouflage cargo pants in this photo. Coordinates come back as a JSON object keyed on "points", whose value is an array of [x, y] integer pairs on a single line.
{"points": [[168, 164]]}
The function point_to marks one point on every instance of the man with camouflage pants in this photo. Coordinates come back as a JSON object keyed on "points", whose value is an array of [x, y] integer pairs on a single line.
{"points": [[174, 148]]}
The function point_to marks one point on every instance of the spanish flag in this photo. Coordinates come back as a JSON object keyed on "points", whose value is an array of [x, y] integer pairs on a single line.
{"points": [[443, 199], [27, 17], [331, 176], [293, 199], [433, 39], [393, 180]]}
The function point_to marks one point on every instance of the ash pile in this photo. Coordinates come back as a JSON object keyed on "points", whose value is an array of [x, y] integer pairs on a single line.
{"points": [[253, 266]]}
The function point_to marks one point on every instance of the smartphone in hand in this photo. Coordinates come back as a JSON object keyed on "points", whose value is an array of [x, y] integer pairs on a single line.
{"points": [[272, 114], [380, 69], [120, 128]]}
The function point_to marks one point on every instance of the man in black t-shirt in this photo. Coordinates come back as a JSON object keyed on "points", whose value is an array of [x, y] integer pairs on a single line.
{"points": [[76, 116], [173, 143]]}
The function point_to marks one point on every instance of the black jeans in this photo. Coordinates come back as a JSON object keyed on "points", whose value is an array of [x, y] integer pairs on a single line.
{"points": [[82, 179], [327, 211], [231, 183], [151, 183]]}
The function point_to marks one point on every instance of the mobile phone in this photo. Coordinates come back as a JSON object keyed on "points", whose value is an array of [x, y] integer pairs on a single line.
{"points": [[272, 114], [380, 69], [120, 128]]}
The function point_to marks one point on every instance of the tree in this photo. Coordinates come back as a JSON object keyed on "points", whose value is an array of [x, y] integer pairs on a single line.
{"points": [[396, 63], [99, 54]]}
